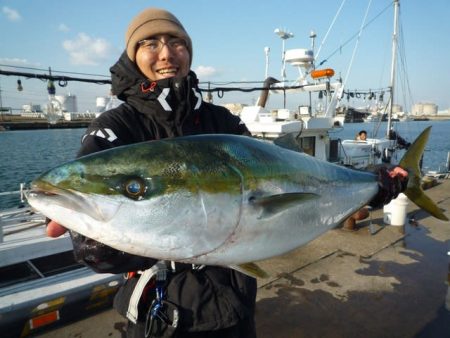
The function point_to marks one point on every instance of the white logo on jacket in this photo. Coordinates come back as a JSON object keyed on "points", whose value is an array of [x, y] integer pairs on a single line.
{"points": [[162, 99], [105, 133], [165, 92]]}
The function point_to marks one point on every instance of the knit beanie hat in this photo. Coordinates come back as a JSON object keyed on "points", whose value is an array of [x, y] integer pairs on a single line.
{"points": [[150, 22]]}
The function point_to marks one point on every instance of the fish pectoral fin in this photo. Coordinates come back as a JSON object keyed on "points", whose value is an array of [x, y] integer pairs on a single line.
{"points": [[250, 269], [274, 204]]}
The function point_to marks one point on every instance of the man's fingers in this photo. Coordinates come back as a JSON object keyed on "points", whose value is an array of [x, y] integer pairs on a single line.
{"points": [[398, 172], [54, 229]]}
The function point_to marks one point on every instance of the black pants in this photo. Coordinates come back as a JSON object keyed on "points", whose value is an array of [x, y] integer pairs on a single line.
{"points": [[211, 302], [245, 329]]}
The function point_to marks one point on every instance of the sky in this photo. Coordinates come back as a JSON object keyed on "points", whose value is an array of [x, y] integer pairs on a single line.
{"points": [[229, 39]]}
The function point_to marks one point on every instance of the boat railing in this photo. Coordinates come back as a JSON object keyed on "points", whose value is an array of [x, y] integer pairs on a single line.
{"points": [[359, 153], [17, 219]]}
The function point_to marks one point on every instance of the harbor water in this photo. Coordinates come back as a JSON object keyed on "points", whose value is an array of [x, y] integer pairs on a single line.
{"points": [[26, 154]]}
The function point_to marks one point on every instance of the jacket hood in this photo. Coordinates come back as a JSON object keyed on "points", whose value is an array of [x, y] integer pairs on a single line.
{"points": [[168, 102]]}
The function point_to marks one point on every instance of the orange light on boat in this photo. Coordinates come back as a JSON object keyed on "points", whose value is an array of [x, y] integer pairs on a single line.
{"points": [[44, 319], [318, 73]]}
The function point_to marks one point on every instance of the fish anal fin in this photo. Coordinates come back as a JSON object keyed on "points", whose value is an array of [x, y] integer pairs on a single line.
{"points": [[250, 269]]}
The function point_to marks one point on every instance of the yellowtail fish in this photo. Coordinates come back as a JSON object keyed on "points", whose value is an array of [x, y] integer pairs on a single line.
{"points": [[209, 199]]}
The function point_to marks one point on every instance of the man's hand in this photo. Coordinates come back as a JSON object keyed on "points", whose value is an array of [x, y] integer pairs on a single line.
{"points": [[398, 172], [391, 183], [54, 229]]}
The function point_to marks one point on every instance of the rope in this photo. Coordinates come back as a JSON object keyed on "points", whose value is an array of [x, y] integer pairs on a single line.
{"points": [[329, 29], [356, 45], [353, 36], [60, 79]]}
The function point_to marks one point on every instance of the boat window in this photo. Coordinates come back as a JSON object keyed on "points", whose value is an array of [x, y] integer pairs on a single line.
{"points": [[308, 145], [334, 151], [47, 266], [54, 264], [16, 273]]}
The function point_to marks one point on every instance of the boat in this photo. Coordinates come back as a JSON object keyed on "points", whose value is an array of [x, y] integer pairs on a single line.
{"points": [[373, 151], [320, 113], [41, 285], [308, 126], [355, 115]]}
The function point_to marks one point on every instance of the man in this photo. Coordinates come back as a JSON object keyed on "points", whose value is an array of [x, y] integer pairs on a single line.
{"points": [[161, 100]]}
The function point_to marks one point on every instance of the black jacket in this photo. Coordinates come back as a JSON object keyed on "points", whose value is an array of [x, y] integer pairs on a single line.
{"points": [[213, 298]]}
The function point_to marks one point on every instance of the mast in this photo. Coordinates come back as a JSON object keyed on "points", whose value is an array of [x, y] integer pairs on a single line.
{"points": [[393, 65]]}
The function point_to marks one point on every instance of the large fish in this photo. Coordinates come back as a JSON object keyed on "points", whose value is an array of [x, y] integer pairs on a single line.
{"points": [[209, 199]]}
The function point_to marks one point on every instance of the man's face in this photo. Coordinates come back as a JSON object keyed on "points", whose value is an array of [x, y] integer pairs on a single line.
{"points": [[163, 56]]}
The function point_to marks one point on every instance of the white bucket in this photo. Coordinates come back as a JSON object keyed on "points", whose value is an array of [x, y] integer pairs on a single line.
{"points": [[394, 213]]}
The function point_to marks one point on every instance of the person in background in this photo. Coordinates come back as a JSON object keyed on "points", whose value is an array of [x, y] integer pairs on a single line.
{"points": [[362, 136], [401, 142], [162, 100]]}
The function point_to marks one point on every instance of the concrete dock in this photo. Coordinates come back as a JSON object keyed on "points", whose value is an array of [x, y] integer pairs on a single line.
{"points": [[392, 283]]}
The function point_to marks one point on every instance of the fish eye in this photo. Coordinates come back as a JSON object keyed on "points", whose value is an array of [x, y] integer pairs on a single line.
{"points": [[135, 188]]}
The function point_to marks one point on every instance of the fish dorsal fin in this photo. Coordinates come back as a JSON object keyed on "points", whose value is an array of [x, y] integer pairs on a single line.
{"points": [[274, 204], [250, 269], [288, 141]]}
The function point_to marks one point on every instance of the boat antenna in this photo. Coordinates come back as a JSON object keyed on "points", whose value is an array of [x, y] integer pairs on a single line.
{"points": [[312, 36], [284, 35], [267, 52]]}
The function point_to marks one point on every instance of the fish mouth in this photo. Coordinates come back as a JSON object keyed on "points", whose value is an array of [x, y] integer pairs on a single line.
{"points": [[43, 195]]}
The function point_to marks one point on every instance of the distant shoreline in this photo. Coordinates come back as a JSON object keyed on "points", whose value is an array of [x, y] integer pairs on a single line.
{"points": [[33, 124], [430, 117]]}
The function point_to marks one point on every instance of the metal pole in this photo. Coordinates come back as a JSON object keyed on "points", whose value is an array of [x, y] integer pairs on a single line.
{"points": [[394, 61], [448, 161], [267, 51]]}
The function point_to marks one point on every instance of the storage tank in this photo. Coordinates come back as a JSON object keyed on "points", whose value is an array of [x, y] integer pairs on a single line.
{"points": [[68, 102], [429, 109], [416, 109], [28, 108], [397, 108], [424, 108], [100, 103]]}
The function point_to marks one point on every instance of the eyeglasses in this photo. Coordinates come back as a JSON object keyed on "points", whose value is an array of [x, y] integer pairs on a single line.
{"points": [[155, 45]]}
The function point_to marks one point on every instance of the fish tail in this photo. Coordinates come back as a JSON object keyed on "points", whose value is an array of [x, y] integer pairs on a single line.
{"points": [[414, 191]]}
